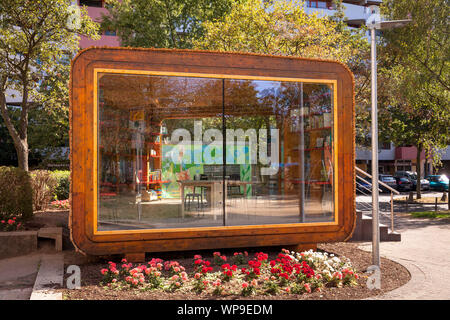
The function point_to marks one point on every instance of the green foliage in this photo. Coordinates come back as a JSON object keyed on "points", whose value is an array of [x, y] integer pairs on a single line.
{"points": [[422, 49], [15, 193], [43, 185], [161, 24], [282, 28], [414, 68], [8, 156], [49, 128], [431, 214], [38, 38], [48, 131], [62, 188]]}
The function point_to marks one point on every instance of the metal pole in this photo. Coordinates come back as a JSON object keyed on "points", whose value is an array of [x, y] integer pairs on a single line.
{"points": [[375, 217], [392, 212], [301, 153]]}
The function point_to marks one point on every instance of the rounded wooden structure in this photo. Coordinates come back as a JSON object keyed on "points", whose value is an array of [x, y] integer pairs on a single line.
{"points": [[119, 207]]}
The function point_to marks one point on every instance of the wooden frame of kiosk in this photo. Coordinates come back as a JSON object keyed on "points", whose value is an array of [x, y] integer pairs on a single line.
{"points": [[186, 150]]}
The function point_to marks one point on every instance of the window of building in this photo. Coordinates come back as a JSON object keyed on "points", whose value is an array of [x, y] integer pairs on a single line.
{"points": [[109, 33], [318, 4], [91, 3]]}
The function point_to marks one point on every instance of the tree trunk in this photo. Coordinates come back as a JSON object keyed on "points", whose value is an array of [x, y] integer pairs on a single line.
{"points": [[20, 140], [419, 171], [22, 154]]}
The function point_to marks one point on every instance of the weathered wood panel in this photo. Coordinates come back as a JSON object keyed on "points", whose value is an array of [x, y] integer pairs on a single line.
{"points": [[83, 151]]}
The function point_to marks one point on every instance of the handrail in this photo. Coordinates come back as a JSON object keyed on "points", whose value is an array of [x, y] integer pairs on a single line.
{"points": [[379, 182], [367, 183]]}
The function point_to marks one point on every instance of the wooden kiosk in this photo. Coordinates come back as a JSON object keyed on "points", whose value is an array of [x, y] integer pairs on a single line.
{"points": [[185, 150]]}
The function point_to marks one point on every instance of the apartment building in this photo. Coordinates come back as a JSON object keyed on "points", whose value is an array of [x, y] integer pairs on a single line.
{"points": [[95, 10]]}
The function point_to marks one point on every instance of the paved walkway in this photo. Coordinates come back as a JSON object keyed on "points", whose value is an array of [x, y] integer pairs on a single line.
{"points": [[17, 276], [425, 252], [32, 276]]}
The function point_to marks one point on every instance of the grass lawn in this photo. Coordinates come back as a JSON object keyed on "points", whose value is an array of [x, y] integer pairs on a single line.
{"points": [[432, 214]]}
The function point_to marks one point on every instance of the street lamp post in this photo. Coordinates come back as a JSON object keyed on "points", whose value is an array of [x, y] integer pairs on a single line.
{"points": [[373, 26]]}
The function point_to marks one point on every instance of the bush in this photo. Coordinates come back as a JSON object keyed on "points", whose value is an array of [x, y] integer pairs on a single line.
{"points": [[16, 193], [43, 185], [62, 188]]}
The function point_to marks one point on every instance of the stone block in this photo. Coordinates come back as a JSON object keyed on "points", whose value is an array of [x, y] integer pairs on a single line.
{"points": [[17, 243], [52, 233]]}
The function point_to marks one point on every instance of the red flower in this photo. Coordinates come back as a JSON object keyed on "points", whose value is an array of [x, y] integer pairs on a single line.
{"points": [[284, 275], [261, 256], [275, 270]]}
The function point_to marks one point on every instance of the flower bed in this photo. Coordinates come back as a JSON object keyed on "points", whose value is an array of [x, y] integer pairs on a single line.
{"points": [[242, 274], [10, 224], [60, 204]]}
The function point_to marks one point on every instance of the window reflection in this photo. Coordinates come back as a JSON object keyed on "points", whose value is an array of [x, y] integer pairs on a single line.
{"points": [[179, 152]]}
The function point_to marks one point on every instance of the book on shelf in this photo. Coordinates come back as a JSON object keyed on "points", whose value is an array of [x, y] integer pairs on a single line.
{"points": [[327, 119]]}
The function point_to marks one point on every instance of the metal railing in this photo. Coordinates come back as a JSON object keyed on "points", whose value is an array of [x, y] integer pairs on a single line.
{"points": [[365, 188]]}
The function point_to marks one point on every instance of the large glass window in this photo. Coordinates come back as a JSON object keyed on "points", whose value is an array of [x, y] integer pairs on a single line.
{"points": [[180, 151]]}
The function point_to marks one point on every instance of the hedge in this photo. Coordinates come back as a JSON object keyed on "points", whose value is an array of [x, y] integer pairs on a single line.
{"points": [[16, 194], [62, 188], [43, 185]]}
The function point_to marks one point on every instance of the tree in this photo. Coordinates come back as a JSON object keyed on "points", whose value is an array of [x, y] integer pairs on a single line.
{"points": [[161, 24], [422, 48], [420, 127], [415, 63], [284, 28], [38, 38]]}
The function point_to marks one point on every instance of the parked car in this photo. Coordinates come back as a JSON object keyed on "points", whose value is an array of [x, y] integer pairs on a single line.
{"points": [[424, 183], [438, 182], [363, 186], [403, 184], [388, 180]]}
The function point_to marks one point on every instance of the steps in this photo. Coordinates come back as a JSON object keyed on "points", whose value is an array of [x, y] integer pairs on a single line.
{"points": [[363, 230]]}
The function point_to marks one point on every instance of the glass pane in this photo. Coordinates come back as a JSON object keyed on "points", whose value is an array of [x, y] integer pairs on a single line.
{"points": [[151, 154], [322, 4], [162, 148], [278, 152], [318, 152]]}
